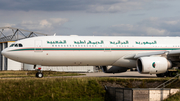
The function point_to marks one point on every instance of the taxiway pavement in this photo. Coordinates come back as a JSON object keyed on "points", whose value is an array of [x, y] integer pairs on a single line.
{"points": [[128, 74]]}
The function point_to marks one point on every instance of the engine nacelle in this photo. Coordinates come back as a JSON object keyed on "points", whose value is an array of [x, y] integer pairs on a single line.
{"points": [[113, 69], [153, 65]]}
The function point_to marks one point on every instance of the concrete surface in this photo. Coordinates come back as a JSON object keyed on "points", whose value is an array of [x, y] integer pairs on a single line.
{"points": [[128, 74]]}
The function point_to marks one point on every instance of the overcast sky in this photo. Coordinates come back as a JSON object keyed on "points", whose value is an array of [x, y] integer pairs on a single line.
{"points": [[93, 17]]}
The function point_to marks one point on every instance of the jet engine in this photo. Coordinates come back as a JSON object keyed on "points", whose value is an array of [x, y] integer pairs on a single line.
{"points": [[152, 65], [113, 69]]}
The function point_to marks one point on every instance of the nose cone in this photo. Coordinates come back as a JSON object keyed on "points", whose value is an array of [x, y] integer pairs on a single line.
{"points": [[4, 52], [9, 54]]}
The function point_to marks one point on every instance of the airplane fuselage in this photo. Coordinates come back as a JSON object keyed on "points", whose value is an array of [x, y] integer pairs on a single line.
{"points": [[87, 50]]}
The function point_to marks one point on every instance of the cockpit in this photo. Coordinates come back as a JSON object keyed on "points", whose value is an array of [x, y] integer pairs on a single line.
{"points": [[16, 45]]}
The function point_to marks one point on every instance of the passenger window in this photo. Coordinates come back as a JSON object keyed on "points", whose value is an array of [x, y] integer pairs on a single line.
{"points": [[16, 45], [20, 45]]}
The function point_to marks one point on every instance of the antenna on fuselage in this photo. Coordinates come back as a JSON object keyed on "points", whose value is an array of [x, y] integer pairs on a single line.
{"points": [[54, 34]]}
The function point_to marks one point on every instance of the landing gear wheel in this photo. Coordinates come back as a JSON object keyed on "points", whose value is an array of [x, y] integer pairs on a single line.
{"points": [[160, 75], [39, 74], [171, 74]]}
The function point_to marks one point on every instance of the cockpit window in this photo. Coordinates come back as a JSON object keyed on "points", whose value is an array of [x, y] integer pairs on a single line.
{"points": [[20, 45], [11, 45], [16, 45]]}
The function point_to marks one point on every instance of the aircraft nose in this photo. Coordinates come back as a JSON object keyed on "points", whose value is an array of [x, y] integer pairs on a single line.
{"points": [[4, 52], [9, 54]]}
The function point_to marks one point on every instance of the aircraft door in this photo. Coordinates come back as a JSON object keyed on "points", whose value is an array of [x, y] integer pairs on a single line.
{"points": [[107, 46], [38, 46]]}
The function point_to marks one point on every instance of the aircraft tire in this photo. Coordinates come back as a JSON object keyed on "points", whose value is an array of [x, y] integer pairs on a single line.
{"points": [[170, 74], [39, 75], [160, 75]]}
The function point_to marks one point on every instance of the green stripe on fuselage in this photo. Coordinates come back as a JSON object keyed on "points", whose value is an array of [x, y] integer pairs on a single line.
{"points": [[56, 49]]}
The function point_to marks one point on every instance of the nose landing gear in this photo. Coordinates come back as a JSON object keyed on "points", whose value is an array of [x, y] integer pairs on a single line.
{"points": [[39, 74]]}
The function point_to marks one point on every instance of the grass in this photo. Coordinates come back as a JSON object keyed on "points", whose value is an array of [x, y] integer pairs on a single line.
{"points": [[64, 89], [69, 89], [175, 97], [7, 74]]}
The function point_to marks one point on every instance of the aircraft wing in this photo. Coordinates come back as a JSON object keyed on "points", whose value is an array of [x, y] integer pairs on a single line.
{"points": [[167, 53]]}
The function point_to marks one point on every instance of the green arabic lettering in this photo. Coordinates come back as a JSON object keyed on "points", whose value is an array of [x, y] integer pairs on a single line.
{"points": [[118, 42], [137, 42], [101, 42], [64, 41], [127, 42], [155, 42], [89, 42], [82, 42]]}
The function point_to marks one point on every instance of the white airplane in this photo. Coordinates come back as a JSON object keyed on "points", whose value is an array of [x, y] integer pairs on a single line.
{"points": [[115, 54]]}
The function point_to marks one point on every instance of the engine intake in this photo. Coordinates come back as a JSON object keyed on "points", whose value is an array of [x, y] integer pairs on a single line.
{"points": [[152, 65]]}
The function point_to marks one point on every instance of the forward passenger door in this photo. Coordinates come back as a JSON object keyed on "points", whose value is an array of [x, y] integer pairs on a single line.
{"points": [[38, 46]]}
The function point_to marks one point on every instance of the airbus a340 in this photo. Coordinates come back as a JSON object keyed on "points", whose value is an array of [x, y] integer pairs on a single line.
{"points": [[115, 54]]}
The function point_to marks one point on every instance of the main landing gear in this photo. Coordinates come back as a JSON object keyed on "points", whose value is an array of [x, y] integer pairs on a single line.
{"points": [[39, 74], [167, 74]]}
